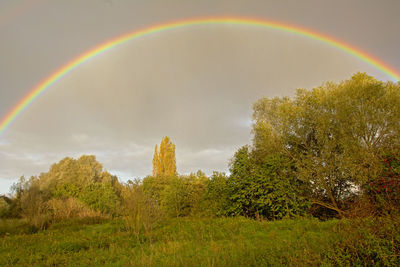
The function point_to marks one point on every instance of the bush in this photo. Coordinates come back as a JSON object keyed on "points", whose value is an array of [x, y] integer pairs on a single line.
{"points": [[31, 202], [182, 195], [100, 197], [60, 209], [177, 196], [140, 212], [266, 187], [216, 198], [367, 242], [4, 208], [381, 196]]}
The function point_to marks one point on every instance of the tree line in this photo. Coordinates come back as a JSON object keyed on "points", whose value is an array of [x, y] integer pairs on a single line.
{"points": [[332, 151]]}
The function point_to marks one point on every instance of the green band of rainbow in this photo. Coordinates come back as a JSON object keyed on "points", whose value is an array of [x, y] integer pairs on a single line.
{"points": [[53, 78]]}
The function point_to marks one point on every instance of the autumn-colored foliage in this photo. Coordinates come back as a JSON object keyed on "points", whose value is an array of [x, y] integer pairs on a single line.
{"points": [[164, 162]]}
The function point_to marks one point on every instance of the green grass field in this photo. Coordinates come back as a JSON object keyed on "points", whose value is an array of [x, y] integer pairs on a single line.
{"points": [[198, 242]]}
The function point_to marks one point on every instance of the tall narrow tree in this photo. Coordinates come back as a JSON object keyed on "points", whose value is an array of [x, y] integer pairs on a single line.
{"points": [[155, 161], [164, 162]]}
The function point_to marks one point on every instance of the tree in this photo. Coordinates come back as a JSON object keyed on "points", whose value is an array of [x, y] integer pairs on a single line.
{"points": [[216, 198], [78, 172], [266, 188], [164, 162], [336, 134], [83, 179]]}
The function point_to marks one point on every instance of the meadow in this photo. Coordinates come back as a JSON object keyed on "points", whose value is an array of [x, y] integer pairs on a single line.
{"points": [[203, 242]]}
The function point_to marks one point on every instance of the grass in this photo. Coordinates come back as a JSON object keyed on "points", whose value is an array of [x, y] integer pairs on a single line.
{"points": [[192, 242]]}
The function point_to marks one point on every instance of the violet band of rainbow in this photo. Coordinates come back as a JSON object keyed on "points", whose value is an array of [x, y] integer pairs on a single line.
{"points": [[83, 58]]}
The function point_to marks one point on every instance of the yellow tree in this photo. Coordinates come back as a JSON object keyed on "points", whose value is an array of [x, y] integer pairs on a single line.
{"points": [[164, 162]]}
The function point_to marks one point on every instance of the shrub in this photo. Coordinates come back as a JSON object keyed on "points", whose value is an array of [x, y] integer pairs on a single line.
{"points": [[266, 187], [182, 195], [4, 207], [100, 197], [60, 209], [367, 242], [140, 212], [216, 198], [381, 196]]}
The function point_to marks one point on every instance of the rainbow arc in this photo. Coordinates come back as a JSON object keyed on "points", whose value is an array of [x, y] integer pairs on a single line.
{"points": [[102, 48]]}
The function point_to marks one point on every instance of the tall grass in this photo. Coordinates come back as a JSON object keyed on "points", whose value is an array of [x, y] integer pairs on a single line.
{"points": [[206, 242]]}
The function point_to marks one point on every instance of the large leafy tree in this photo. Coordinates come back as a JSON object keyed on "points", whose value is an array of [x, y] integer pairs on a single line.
{"points": [[83, 179], [78, 172], [336, 134]]}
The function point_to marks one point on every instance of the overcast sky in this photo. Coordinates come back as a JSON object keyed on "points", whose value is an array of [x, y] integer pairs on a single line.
{"points": [[194, 84]]}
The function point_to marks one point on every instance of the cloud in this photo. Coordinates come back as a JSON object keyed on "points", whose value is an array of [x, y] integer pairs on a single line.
{"points": [[80, 138]]}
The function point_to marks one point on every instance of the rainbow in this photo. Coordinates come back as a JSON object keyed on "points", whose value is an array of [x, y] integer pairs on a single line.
{"points": [[102, 48]]}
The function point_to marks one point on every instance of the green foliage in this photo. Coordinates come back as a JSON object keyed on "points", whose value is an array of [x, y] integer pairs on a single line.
{"points": [[268, 188], [83, 171], [173, 198], [15, 227], [30, 202], [67, 190], [215, 201], [140, 211], [101, 197], [81, 185], [67, 208], [239, 184], [382, 195], [154, 186], [85, 180], [336, 135], [182, 195], [177, 195], [367, 242], [4, 207]]}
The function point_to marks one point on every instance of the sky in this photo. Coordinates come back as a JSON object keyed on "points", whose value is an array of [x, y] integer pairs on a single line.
{"points": [[194, 84]]}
